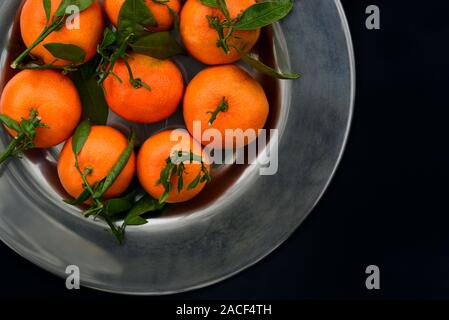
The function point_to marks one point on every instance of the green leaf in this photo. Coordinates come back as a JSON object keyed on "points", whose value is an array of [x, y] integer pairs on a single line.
{"points": [[224, 9], [65, 51], [47, 8], [83, 197], [180, 183], [135, 18], [263, 68], [160, 45], [210, 3], [80, 137], [136, 221], [118, 167], [118, 205], [109, 38], [81, 4], [10, 123], [101, 184], [195, 182], [91, 93], [143, 206], [164, 197], [263, 14]]}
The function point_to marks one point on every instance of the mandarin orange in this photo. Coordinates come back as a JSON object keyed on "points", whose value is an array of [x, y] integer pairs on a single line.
{"points": [[52, 95], [100, 153]]}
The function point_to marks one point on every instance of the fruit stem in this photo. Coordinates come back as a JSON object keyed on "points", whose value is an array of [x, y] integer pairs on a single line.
{"points": [[223, 106], [65, 69], [114, 57], [136, 83], [117, 232], [11, 147], [26, 132], [45, 33], [83, 176]]}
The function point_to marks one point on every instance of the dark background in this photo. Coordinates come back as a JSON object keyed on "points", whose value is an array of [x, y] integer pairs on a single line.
{"points": [[387, 203]]}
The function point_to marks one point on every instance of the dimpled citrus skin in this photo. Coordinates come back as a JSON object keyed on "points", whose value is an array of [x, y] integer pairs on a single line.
{"points": [[248, 104], [52, 95], [87, 37], [143, 105], [160, 12], [101, 152], [201, 40], [152, 159]]}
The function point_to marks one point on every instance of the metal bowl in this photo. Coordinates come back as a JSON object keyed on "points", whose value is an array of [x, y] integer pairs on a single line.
{"points": [[238, 219]]}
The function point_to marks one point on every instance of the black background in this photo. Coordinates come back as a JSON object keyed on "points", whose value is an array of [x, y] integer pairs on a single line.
{"points": [[387, 203]]}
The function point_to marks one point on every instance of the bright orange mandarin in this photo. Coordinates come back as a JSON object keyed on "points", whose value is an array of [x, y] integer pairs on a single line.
{"points": [[247, 103], [87, 37], [152, 159], [161, 13], [100, 153], [201, 40], [142, 105], [54, 97]]}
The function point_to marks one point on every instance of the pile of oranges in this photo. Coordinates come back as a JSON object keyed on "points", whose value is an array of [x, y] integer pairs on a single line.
{"points": [[222, 90]]}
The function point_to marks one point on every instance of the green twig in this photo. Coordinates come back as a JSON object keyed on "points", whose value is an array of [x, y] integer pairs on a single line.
{"points": [[55, 25], [175, 166], [26, 132], [135, 82], [223, 106], [11, 148]]}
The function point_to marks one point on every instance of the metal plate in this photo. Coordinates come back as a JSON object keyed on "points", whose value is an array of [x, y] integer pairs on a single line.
{"points": [[238, 219]]}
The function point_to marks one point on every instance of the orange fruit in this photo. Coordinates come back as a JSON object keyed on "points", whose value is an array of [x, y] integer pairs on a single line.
{"points": [[101, 152], [52, 95], [247, 104], [33, 21], [152, 159], [201, 40], [140, 104], [161, 13]]}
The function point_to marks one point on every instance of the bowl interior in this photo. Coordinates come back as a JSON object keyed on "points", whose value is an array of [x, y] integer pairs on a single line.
{"points": [[38, 167]]}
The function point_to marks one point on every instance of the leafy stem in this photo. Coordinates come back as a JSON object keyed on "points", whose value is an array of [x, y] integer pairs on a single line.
{"points": [[98, 207], [55, 25], [219, 26], [118, 232], [257, 16], [11, 147], [175, 166], [223, 106], [135, 82], [64, 69], [133, 32], [84, 175], [109, 62], [26, 132]]}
